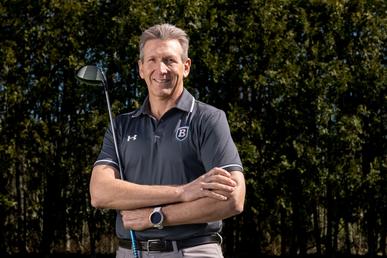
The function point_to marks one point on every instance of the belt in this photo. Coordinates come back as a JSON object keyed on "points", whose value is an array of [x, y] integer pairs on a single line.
{"points": [[162, 245]]}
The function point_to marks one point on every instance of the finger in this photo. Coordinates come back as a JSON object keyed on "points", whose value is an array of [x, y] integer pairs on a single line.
{"points": [[215, 195], [125, 212], [217, 186], [220, 171], [221, 179]]}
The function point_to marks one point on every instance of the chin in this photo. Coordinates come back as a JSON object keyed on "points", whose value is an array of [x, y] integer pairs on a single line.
{"points": [[162, 93], [165, 90]]}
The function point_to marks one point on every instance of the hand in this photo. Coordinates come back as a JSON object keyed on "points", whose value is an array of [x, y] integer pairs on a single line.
{"points": [[216, 183], [137, 219]]}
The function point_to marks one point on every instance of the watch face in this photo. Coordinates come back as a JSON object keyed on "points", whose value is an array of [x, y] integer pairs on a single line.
{"points": [[155, 218]]}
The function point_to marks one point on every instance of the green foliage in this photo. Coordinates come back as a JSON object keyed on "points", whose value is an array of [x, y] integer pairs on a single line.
{"points": [[302, 82]]}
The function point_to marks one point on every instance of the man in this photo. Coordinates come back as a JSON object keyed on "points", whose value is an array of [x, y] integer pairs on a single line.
{"points": [[182, 171]]}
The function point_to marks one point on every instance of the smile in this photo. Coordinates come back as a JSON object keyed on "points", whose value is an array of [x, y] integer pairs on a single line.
{"points": [[162, 81]]}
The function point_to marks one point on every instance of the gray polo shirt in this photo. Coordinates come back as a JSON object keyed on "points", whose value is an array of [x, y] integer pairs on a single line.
{"points": [[189, 140]]}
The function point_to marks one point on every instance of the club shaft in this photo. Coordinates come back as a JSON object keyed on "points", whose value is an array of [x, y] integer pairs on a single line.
{"points": [[132, 234], [114, 134]]}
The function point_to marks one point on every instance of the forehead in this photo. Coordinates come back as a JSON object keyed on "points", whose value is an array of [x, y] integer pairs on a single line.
{"points": [[159, 47]]}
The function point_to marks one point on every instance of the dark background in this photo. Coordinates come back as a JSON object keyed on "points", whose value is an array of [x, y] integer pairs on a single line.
{"points": [[303, 84]]}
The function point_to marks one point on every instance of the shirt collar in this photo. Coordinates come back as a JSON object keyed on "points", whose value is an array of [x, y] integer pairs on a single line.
{"points": [[184, 103]]}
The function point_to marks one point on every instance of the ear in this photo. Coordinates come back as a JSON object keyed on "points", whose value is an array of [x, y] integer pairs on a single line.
{"points": [[140, 69], [187, 67]]}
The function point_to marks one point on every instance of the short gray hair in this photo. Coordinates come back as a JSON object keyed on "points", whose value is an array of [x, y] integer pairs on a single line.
{"points": [[165, 32]]}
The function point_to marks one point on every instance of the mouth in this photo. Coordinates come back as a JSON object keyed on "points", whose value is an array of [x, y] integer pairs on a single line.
{"points": [[162, 81]]}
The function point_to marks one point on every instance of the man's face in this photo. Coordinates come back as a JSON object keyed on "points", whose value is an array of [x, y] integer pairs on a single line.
{"points": [[163, 68]]}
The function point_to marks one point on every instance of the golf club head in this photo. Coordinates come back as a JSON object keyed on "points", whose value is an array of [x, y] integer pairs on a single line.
{"points": [[91, 75]]}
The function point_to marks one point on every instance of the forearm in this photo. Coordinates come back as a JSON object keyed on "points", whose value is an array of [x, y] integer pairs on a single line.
{"points": [[110, 193], [207, 209], [200, 211], [203, 210]]}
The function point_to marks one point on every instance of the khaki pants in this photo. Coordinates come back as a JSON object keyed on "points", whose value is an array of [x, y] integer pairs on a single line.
{"points": [[200, 251]]}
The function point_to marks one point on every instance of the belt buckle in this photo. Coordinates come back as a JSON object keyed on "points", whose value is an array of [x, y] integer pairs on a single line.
{"points": [[220, 238], [150, 242]]}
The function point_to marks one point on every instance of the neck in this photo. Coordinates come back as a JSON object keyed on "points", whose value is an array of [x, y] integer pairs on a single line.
{"points": [[158, 109], [159, 106]]}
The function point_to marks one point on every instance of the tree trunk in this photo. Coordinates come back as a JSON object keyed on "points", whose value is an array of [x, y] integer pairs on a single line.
{"points": [[316, 228], [330, 222]]}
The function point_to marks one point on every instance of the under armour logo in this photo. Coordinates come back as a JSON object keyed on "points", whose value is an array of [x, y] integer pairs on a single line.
{"points": [[132, 138], [182, 133]]}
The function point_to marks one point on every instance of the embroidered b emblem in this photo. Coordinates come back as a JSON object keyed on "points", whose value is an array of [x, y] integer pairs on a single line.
{"points": [[182, 133]]}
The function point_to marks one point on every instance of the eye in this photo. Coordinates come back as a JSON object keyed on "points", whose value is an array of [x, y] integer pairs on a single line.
{"points": [[169, 60]]}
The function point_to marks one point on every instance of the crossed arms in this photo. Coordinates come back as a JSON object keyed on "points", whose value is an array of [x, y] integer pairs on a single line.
{"points": [[216, 195]]}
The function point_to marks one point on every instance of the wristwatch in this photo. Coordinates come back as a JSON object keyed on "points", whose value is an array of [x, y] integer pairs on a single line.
{"points": [[156, 218]]}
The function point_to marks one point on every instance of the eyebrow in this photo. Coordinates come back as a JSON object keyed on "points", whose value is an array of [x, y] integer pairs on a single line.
{"points": [[163, 57]]}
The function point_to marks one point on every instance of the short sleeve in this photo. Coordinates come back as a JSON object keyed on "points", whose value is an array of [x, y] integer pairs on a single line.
{"points": [[217, 148], [108, 155]]}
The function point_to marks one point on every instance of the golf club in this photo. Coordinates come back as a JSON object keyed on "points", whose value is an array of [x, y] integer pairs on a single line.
{"points": [[92, 75]]}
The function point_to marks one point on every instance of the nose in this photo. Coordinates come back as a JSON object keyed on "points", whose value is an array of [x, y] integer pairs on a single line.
{"points": [[163, 67]]}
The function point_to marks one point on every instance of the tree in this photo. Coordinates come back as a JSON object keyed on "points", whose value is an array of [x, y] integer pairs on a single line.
{"points": [[302, 82]]}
